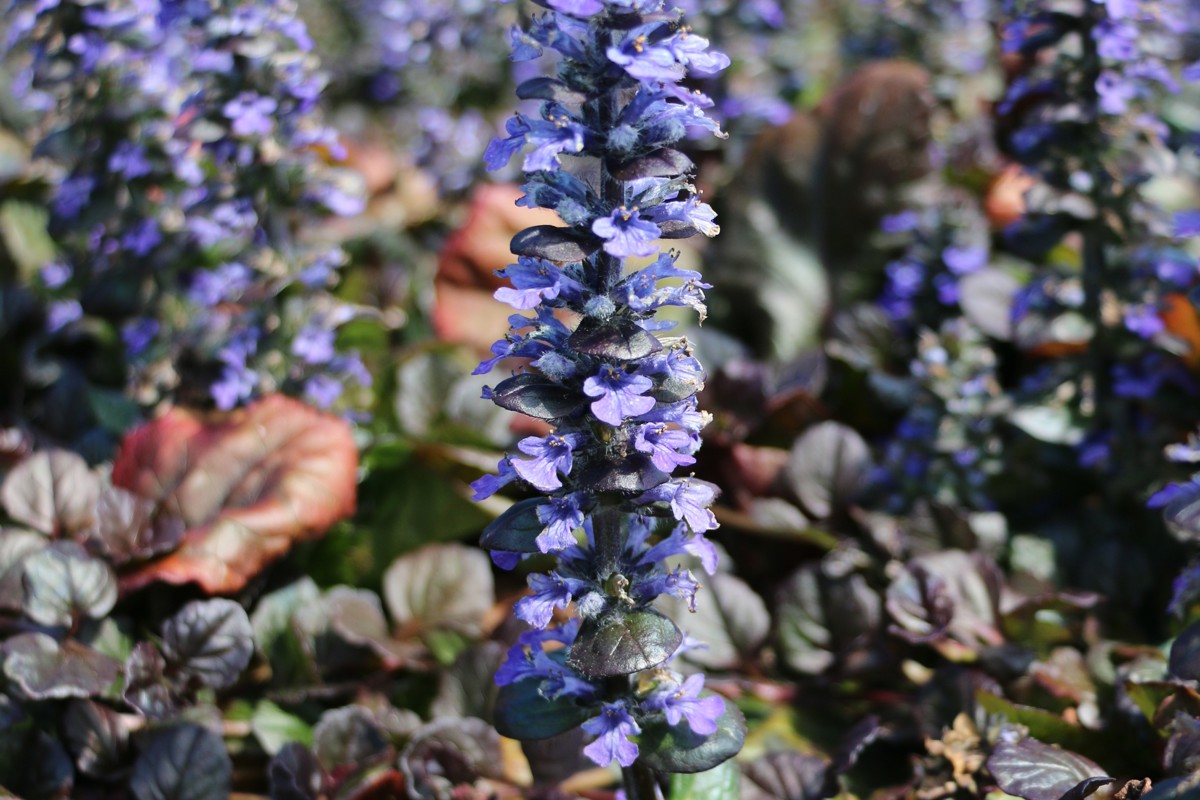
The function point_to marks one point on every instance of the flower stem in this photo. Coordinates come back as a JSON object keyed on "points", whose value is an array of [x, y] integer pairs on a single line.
{"points": [[639, 782]]}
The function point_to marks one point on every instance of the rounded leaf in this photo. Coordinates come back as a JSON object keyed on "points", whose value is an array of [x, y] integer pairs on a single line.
{"points": [[677, 748], [96, 737], [295, 774], [53, 492], [535, 396], [623, 642], [1036, 771], [827, 467], [523, 713], [210, 641], [613, 339], [16, 546], [246, 486], [348, 736], [183, 762], [63, 582], [45, 669], [730, 618], [517, 529], [440, 586], [1184, 661], [784, 776]]}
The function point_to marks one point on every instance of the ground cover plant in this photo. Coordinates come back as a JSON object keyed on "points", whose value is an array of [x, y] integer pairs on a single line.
{"points": [[888, 490]]}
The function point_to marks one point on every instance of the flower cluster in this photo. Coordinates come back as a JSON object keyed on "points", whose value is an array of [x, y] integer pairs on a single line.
{"points": [[620, 396], [192, 156]]}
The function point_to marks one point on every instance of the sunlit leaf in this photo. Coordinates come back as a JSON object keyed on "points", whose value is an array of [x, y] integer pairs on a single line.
{"points": [[1036, 771], [62, 582], [677, 748], [619, 643], [44, 669], [440, 586], [210, 641], [246, 484], [52, 491]]}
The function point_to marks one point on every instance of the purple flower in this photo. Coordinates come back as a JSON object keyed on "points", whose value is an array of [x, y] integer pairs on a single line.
{"points": [[488, 485], [664, 444], [73, 194], [1115, 91], [129, 159], [1187, 224], [619, 393], [964, 260], [534, 280], [1144, 321], [900, 223], [251, 114], [561, 516], [612, 730], [55, 274], [236, 383], [626, 234], [689, 499], [323, 390], [550, 591], [62, 313], [551, 455], [137, 334], [683, 701], [577, 8]]}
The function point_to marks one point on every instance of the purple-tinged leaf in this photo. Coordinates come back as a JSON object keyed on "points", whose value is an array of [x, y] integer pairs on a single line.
{"points": [[679, 749], [447, 753], [613, 339], [986, 298], [97, 738], [665, 163], [295, 774], [516, 530], [53, 492], [733, 622], [522, 712], [620, 643], [1184, 661], [544, 88], [349, 736], [860, 737], [44, 669], [1181, 756], [183, 762], [356, 615], [446, 586], [562, 245], [16, 546], [535, 396], [825, 613], [1036, 771], [62, 582], [784, 776], [126, 527], [210, 641], [146, 688], [633, 475], [828, 465]]}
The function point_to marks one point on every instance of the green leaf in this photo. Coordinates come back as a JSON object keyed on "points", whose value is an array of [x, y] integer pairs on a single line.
{"points": [[676, 748], [622, 642], [720, 783], [523, 713], [517, 529], [274, 727]]}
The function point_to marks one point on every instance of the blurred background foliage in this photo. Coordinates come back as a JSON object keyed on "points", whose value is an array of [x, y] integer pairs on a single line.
{"points": [[934, 501]]}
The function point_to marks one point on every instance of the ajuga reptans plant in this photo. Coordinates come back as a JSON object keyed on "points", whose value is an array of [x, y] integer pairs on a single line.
{"points": [[191, 155], [620, 395]]}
